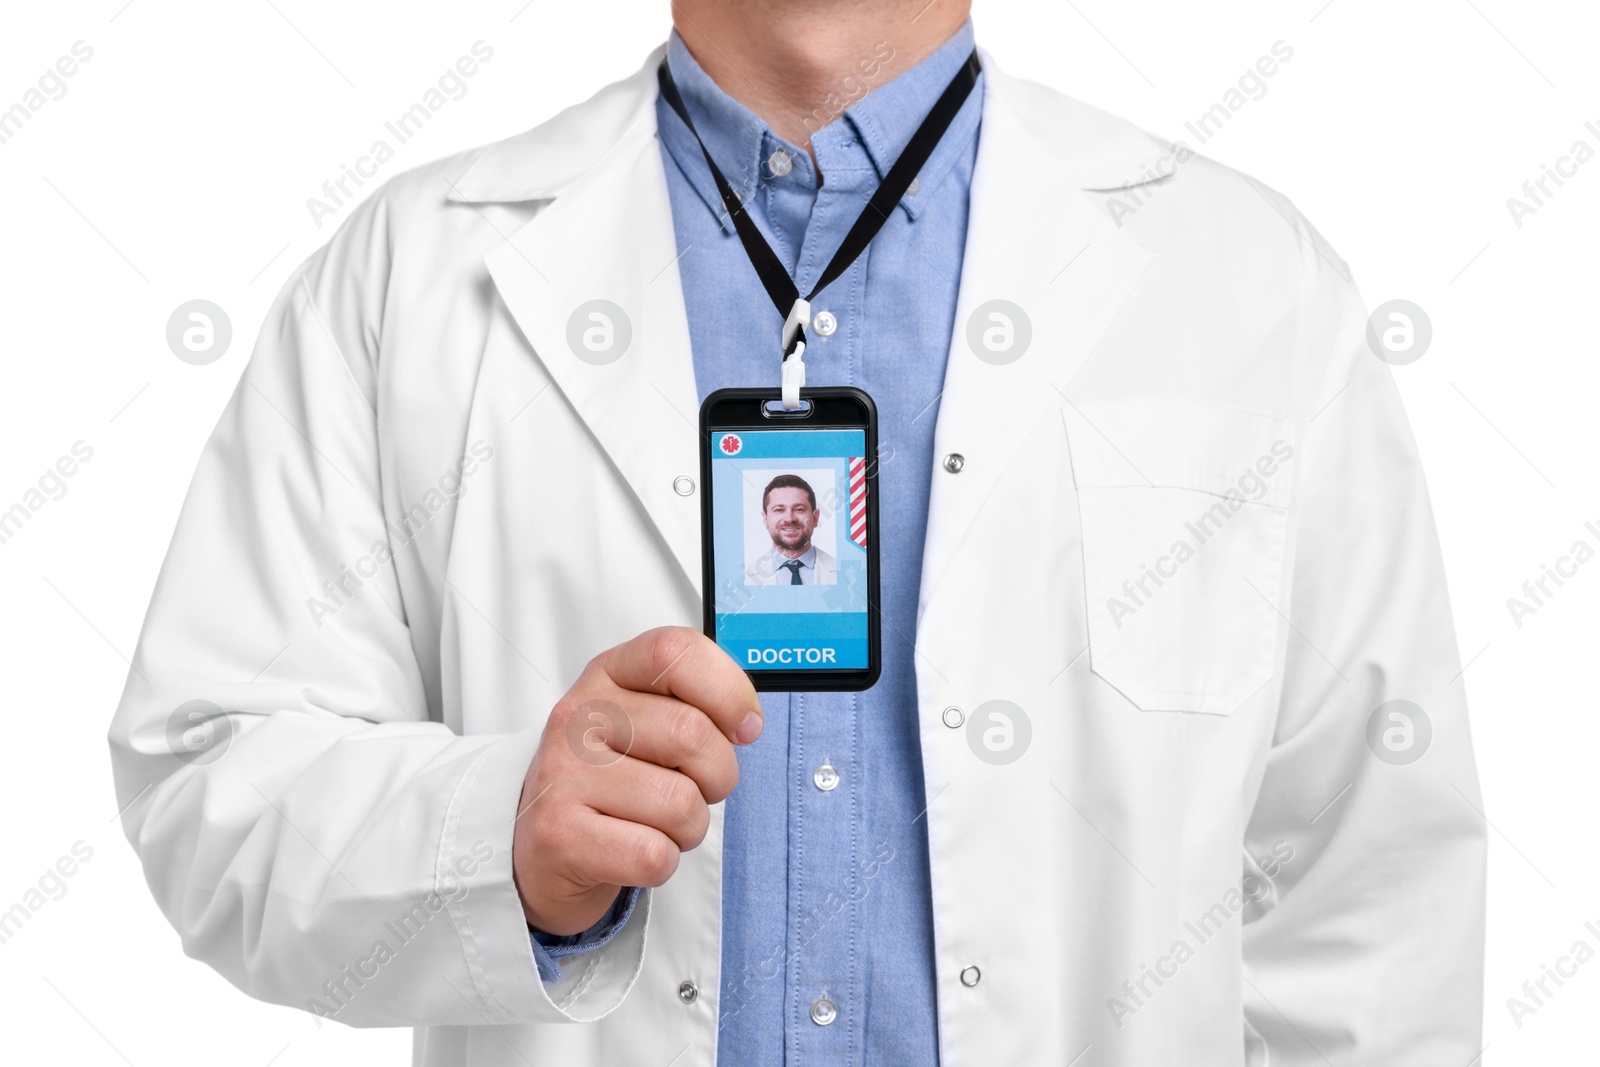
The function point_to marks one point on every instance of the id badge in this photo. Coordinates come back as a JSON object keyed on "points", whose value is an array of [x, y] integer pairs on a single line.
{"points": [[789, 536]]}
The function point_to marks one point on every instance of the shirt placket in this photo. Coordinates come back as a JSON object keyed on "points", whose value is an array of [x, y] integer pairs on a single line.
{"points": [[823, 989]]}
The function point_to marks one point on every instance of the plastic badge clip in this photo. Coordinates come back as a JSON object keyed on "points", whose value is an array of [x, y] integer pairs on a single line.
{"points": [[799, 316], [794, 367], [794, 377]]}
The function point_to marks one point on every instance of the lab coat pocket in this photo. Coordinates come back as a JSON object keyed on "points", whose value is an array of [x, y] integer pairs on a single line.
{"points": [[1183, 511]]}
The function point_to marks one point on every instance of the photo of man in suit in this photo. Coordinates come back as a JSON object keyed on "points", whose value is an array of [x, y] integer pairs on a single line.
{"points": [[789, 513]]}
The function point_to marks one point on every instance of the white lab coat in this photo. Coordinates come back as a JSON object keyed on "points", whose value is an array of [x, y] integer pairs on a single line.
{"points": [[1195, 766]]}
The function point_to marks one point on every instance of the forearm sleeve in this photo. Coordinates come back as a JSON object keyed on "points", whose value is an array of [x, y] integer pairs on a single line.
{"points": [[304, 821]]}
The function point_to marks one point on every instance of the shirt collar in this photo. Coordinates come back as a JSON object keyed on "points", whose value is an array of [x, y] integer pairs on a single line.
{"points": [[732, 132], [808, 558], [884, 120]]}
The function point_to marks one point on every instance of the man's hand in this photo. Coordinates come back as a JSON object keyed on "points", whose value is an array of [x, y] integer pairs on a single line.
{"points": [[631, 759]]}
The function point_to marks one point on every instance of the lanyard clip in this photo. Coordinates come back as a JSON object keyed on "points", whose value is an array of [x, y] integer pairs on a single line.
{"points": [[794, 367], [794, 377], [799, 318]]}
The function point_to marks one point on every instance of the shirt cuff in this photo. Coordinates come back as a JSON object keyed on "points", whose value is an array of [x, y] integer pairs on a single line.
{"points": [[548, 949]]}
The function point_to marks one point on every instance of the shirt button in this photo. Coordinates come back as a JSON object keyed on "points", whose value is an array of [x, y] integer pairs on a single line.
{"points": [[911, 190], [954, 462], [780, 163], [953, 717], [683, 485], [826, 777], [970, 976], [688, 991], [823, 1011], [824, 323]]}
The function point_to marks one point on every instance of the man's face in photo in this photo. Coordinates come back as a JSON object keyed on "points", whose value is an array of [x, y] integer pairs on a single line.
{"points": [[790, 519]]}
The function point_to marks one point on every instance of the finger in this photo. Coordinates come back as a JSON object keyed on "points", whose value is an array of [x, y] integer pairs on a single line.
{"points": [[680, 662], [620, 852], [644, 793], [669, 733]]}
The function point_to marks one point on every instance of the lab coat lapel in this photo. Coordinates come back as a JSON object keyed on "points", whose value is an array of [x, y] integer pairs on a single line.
{"points": [[609, 237], [1037, 237], [1038, 241]]}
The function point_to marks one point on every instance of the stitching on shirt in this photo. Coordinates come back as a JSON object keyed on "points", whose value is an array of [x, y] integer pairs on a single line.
{"points": [[592, 964], [856, 301], [856, 995], [797, 703], [480, 978]]}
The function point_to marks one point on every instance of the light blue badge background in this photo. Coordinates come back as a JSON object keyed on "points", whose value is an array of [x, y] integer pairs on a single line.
{"points": [[788, 616]]}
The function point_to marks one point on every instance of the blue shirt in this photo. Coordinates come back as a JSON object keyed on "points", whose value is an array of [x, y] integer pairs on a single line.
{"points": [[806, 569], [826, 890]]}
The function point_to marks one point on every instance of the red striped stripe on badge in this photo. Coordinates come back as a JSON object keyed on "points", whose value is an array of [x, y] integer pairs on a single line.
{"points": [[858, 500]]}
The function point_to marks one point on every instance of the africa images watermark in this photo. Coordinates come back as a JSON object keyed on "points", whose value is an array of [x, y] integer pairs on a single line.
{"points": [[342, 988], [51, 885], [737, 993], [52, 85], [851, 88], [1536, 592], [342, 587], [1537, 191], [1203, 527], [1252, 85], [1536, 992], [451, 85], [1136, 991], [50, 486]]}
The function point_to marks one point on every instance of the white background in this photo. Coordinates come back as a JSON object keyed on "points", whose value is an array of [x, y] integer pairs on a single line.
{"points": [[177, 167]]}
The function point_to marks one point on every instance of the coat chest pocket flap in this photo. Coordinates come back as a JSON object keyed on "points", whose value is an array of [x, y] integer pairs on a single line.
{"points": [[1183, 511]]}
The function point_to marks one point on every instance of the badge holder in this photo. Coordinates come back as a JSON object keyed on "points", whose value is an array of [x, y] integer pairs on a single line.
{"points": [[818, 628]]}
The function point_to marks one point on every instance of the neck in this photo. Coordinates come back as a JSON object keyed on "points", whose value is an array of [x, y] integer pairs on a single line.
{"points": [[799, 64]]}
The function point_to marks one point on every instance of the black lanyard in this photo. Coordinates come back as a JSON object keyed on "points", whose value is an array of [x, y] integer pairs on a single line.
{"points": [[785, 295]]}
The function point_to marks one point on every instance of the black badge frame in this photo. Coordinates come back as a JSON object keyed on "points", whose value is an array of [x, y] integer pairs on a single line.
{"points": [[824, 408]]}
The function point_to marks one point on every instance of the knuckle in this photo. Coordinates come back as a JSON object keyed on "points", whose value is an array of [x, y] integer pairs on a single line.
{"points": [[695, 835], [556, 724], [668, 645], [682, 796], [696, 822], [655, 858], [689, 732], [700, 826], [597, 667]]}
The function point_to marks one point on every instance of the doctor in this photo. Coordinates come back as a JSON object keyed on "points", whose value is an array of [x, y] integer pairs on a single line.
{"points": [[1169, 762], [789, 514]]}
